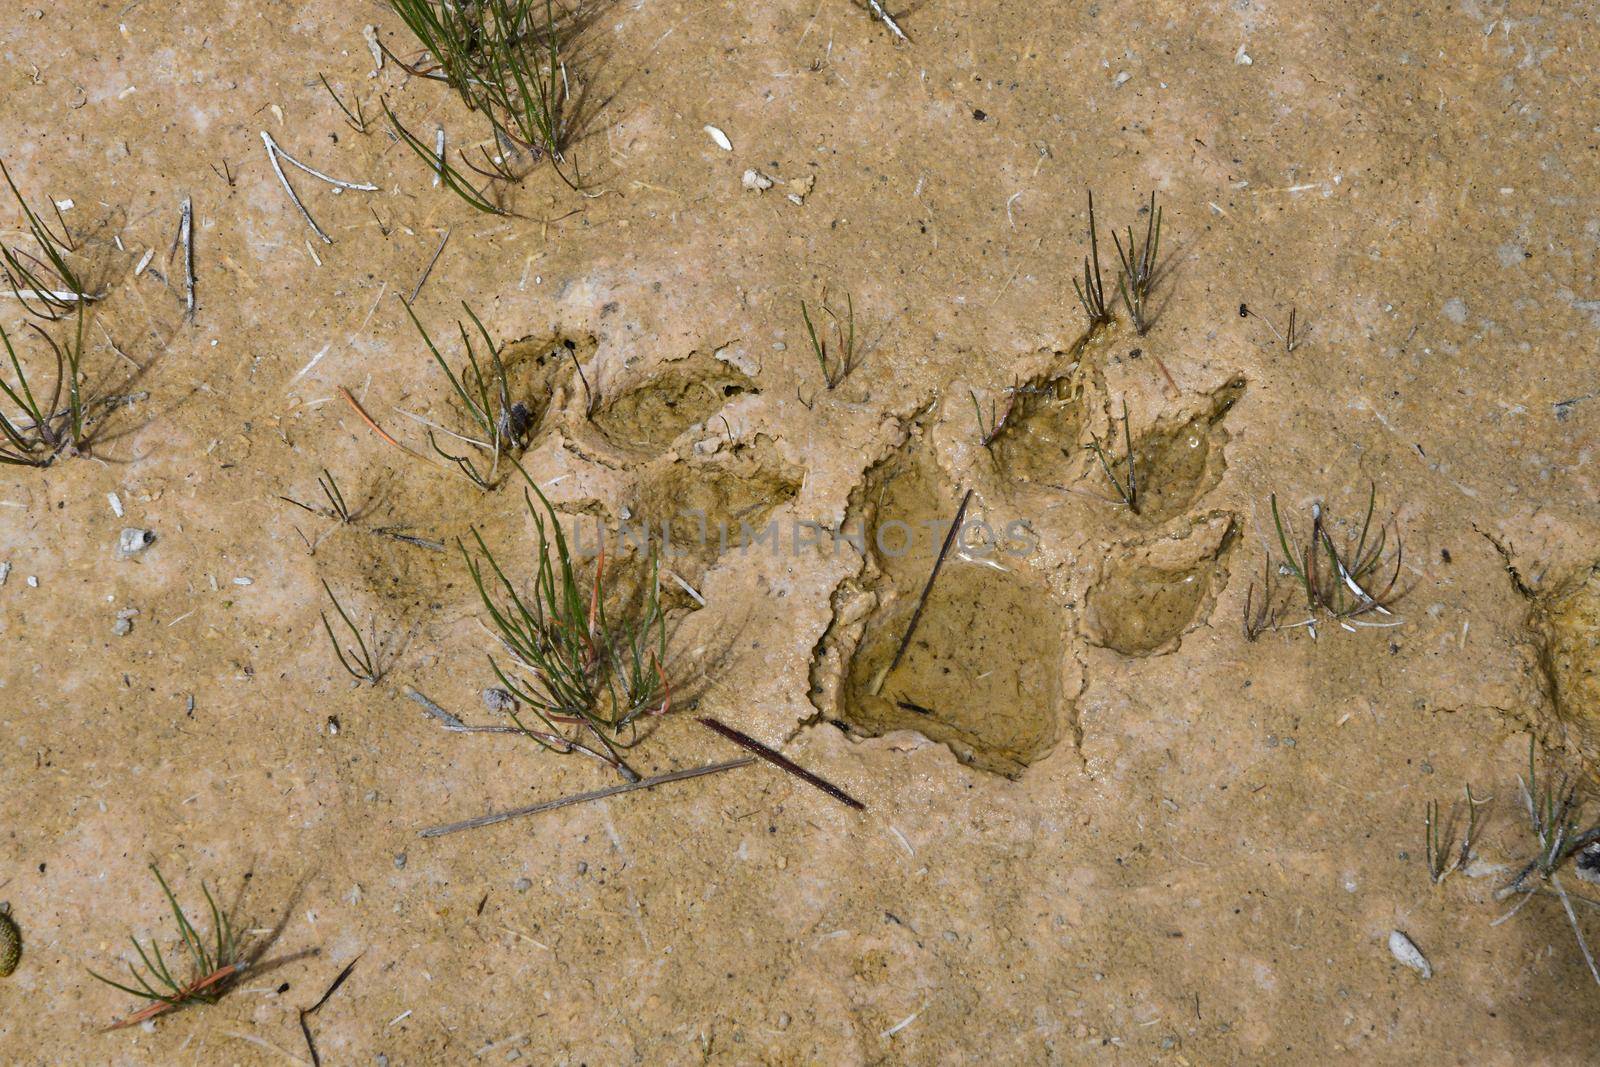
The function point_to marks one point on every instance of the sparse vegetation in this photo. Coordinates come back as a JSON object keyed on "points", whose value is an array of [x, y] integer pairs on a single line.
{"points": [[1092, 292], [576, 667], [1344, 585], [214, 964], [1126, 487], [989, 428], [355, 118], [336, 507], [504, 59], [1261, 616], [362, 661], [1555, 817], [486, 395], [1139, 268], [1443, 855], [37, 433], [837, 367], [46, 282]]}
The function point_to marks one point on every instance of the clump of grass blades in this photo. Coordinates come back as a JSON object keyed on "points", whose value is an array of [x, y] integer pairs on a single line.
{"points": [[1444, 858], [1344, 584], [361, 661], [1092, 293], [578, 669], [837, 368], [47, 284], [1259, 617], [41, 432], [504, 59], [1555, 815], [486, 395], [1139, 268], [1126, 487], [214, 964]]}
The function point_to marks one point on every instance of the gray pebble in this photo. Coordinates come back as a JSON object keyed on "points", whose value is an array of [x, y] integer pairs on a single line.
{"points": [[132, 540], [498, 700], [399, 860], [522, 885]]}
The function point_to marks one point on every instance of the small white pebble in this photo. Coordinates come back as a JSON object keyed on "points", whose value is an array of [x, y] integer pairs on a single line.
{"points": [[5, 571], [116, 504], [1407, 953], [1242, 57], [33, 581], [755, 181], [721, 138], [244, 581]]}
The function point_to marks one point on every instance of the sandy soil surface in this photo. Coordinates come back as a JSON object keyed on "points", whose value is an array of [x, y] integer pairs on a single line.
{"points": [[1107, 827]]}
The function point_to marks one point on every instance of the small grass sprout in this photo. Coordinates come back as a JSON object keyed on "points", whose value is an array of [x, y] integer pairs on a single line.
{"points": [[1139, 268], [577, 668], [46, 283], [336, 507], [835, 368], [990, 428], [214, 964], [38, 433], [1092, 292], [361, 661], [356, 119], [1349, 583], [1261, 616], [1443, 855], [485, 392], [1126, 487], [1290, 339]]}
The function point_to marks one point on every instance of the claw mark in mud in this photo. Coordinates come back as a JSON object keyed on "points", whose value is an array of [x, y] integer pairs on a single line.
{"points": [[534, 368], [1179, 461], [1566, 625], [650, 416], [1147, 600], [985, 672], [695, 510]]}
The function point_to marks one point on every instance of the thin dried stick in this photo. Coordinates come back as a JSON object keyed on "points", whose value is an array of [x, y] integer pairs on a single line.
{"points": [[379, 430], [884, 17], [186, 238], [429, 268], [777, 759], [916, 616], [274, 151], [311, 1046], [584, 798]]}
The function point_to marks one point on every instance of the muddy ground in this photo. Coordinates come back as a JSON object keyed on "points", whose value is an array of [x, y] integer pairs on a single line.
{"points": [[1100, 823]]}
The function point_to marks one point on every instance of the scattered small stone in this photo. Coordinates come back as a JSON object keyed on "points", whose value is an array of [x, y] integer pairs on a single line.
{"points": [[1455, 309], [1121, 79], [116, 503], [522, 885], [244, 581], [5, 571], [1587, 864], [132, 541], [124, 624], [755, 181], [720, 138], [333, 726], [399, 861], [499, 700], [33, 581], [1242, 57], [800, 188], [1409, 954]]}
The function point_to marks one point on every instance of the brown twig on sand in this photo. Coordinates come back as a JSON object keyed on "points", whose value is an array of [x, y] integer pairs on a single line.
{"points": [[584, 798], [379, 430], [777, 759]]}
